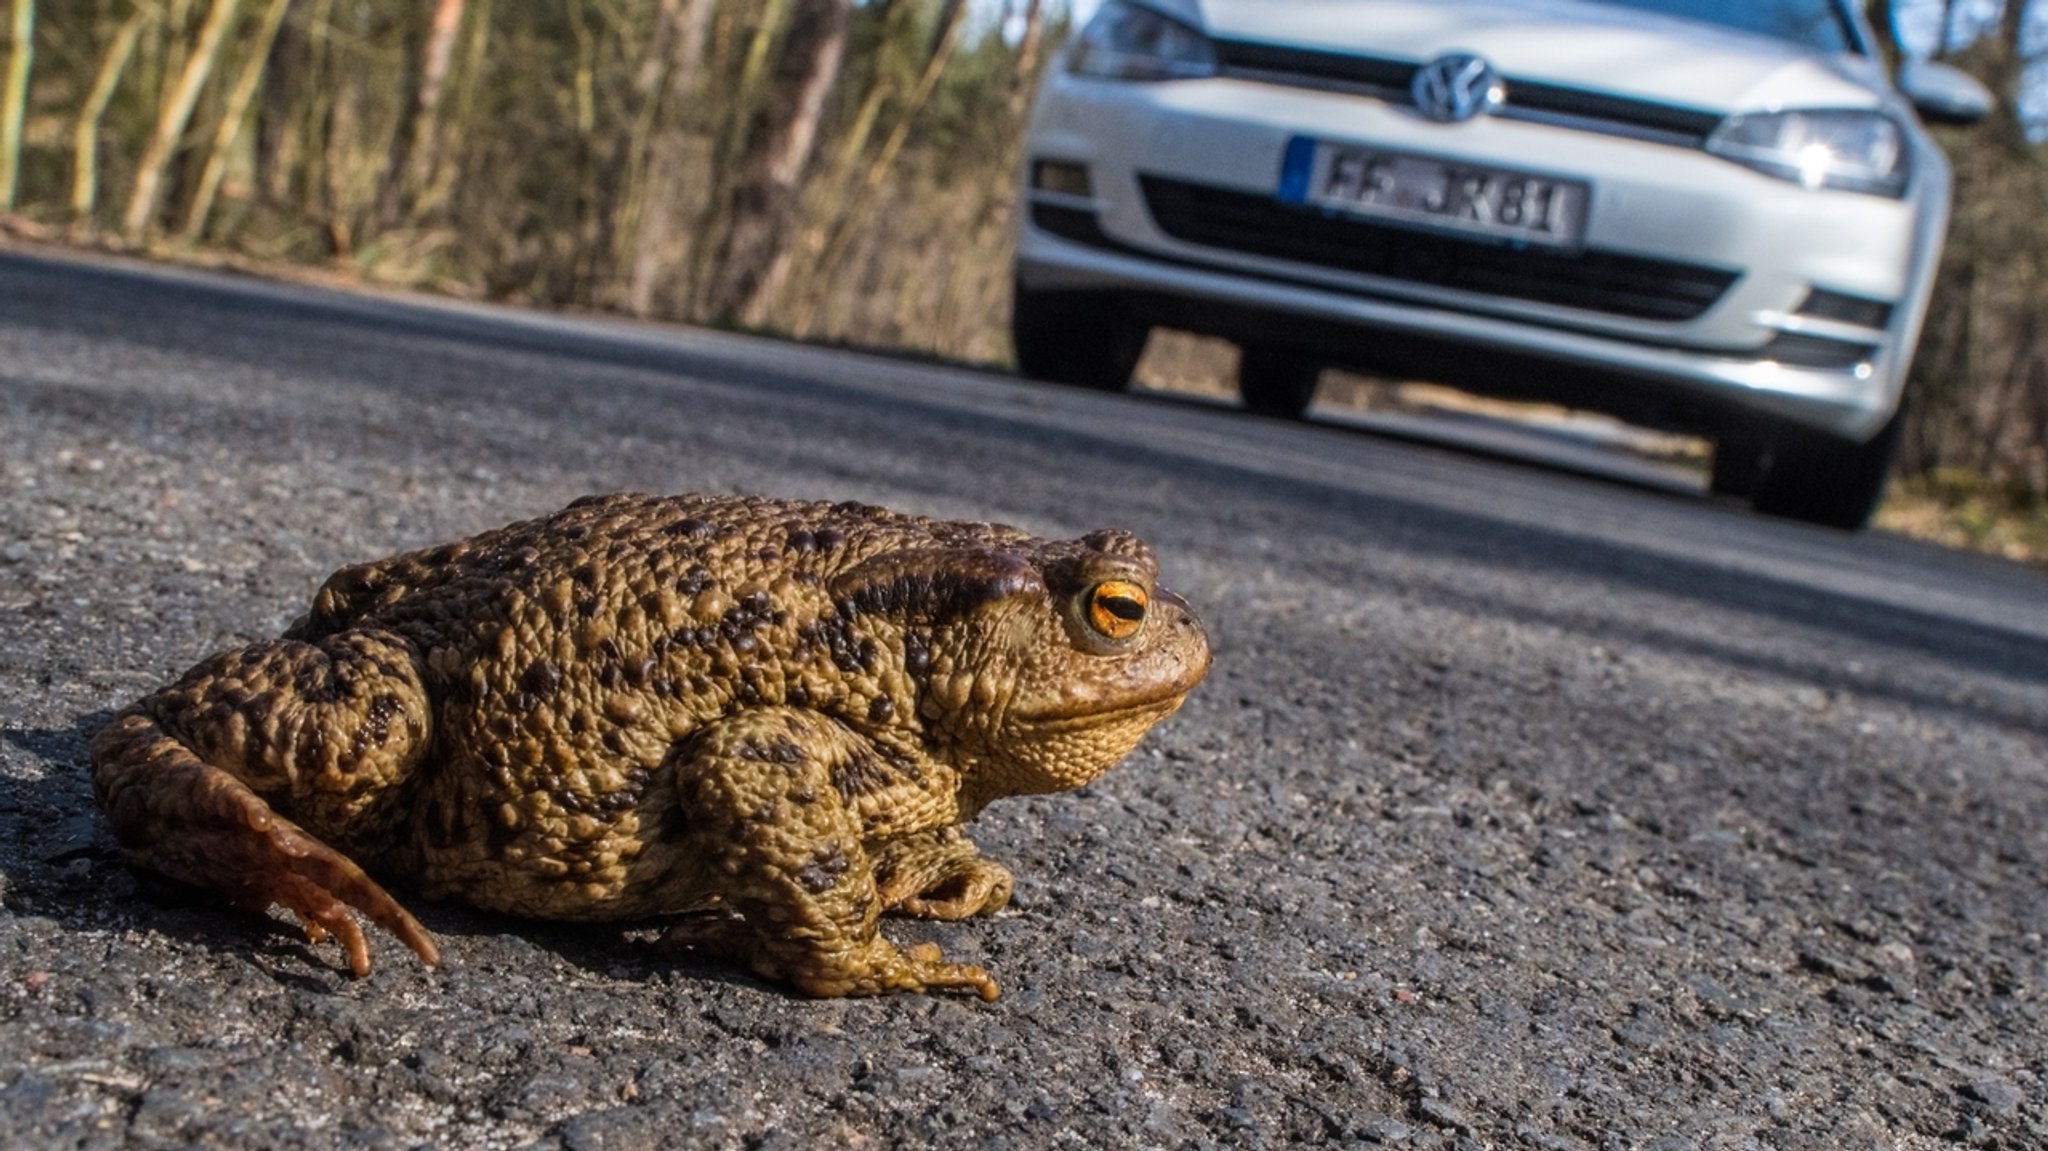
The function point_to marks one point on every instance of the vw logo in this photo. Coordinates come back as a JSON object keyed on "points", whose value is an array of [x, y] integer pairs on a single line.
{"points": [[1457, 86]]}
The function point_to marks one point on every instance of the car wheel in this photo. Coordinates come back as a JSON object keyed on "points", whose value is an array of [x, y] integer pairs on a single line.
{"points": [[1827, 480], [1738, 466], [1087, 339], [1275, 381]]}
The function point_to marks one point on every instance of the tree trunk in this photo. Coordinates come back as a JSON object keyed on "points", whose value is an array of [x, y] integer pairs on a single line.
{"points": [[85, 136], [777, 148], [177, 24], [1027, 58], [634, 150], [427, 133], [733, 130], [837, 187], [21, 55], [656, 59], [388, 205], [231, 120], [276, 149], [317, 126], [850, 217], [438, 176], [653, 225], [775, 16], [177, 112]]}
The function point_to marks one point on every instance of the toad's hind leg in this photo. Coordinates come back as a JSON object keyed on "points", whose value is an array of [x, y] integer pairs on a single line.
{"points": [[199, 779]]}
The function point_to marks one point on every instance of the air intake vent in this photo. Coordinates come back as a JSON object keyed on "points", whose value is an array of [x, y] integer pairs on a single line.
{"points": [[1858, 310]]}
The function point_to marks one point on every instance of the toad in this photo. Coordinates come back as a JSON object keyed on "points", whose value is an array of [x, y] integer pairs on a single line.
{"points": [[775, 715]]}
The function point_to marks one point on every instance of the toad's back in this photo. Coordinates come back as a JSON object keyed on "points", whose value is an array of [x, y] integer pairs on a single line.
{"points": [[604, 556]]}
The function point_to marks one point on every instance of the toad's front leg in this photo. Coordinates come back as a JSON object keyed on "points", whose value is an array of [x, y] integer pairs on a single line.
{"points": [[761, 811]]}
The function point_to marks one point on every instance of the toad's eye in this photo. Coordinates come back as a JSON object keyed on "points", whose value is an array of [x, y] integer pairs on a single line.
{"points": [[1116, 608]]}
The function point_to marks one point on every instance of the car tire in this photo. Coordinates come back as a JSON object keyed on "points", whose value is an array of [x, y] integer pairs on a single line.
{"points": [[1086, 339], [1738, 468], [1276, 381], [1827, 480]]}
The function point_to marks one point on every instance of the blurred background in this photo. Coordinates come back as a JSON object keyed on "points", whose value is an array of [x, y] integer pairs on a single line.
{"points": [[831, 170]]}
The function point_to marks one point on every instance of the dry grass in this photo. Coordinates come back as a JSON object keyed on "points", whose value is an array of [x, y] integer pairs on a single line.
{"points": [[1961, 510]]}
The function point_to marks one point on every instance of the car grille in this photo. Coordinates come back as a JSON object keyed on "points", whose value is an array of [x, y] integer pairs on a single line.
{"points": [[1607, 282], [1389, 80]]}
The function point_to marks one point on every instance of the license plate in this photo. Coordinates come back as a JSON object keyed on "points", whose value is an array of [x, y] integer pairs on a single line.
{"points": [[1446, 194]]}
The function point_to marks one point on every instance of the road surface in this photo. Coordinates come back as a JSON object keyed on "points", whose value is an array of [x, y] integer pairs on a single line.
{"points": [[1524, 807]]}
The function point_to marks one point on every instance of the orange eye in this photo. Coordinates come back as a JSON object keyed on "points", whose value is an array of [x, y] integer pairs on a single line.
{"points": [[1116, 608]]}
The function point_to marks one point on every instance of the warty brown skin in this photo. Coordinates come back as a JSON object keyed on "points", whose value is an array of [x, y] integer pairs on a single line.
{"points": [[777, 712]]}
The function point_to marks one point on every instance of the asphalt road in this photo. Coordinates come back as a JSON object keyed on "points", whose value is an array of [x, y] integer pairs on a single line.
{"points": [[1524, 808]]}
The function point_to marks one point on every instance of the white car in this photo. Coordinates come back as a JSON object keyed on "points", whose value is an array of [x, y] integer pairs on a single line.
{"points": [[1712, 216]]}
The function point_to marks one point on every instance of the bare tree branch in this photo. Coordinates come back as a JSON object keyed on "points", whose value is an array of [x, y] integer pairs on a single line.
{"points": [[177, 112], [231, 120], [85, 133], [21, 54]]}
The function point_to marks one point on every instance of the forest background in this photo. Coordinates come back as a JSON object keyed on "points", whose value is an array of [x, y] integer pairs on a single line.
{"points": [[826, 169]]}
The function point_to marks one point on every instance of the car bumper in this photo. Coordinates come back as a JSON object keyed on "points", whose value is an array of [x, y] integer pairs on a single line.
{"points": [[1738, 258]]}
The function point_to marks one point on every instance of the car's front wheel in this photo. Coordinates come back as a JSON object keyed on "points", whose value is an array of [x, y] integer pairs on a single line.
{"points": [[1828, 480], [1276, 381], [1087, 339], [1739, 462]]}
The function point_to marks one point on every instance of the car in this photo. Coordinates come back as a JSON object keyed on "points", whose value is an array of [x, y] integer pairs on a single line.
{"points": [[1717, 217]]}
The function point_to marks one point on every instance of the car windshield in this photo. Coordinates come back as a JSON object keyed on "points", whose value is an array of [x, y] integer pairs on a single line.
{"points": [[1814, 24]]}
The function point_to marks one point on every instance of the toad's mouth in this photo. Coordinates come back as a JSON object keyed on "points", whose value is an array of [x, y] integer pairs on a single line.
{"points": [[1056, 722]]}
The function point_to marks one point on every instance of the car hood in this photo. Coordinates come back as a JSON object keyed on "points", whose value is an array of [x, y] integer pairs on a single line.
{"points": [[1592, 46]]}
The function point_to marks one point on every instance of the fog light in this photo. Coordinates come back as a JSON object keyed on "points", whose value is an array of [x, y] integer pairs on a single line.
{"points": [[1061, 177], [1822, 304], [1798, 350]]}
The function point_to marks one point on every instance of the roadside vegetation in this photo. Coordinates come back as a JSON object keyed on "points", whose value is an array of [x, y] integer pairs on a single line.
{"points": [[825, 169]]}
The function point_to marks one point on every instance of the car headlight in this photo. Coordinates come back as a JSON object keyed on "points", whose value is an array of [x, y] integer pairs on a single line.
{"points": [[1127, 41], [1850, 149]]}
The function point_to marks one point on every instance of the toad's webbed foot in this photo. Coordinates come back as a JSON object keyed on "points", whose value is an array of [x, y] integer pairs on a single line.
{"points": [[205, 827], [319, 885], [873, 968], [876, 967], [325, 729], [938, 874]]}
